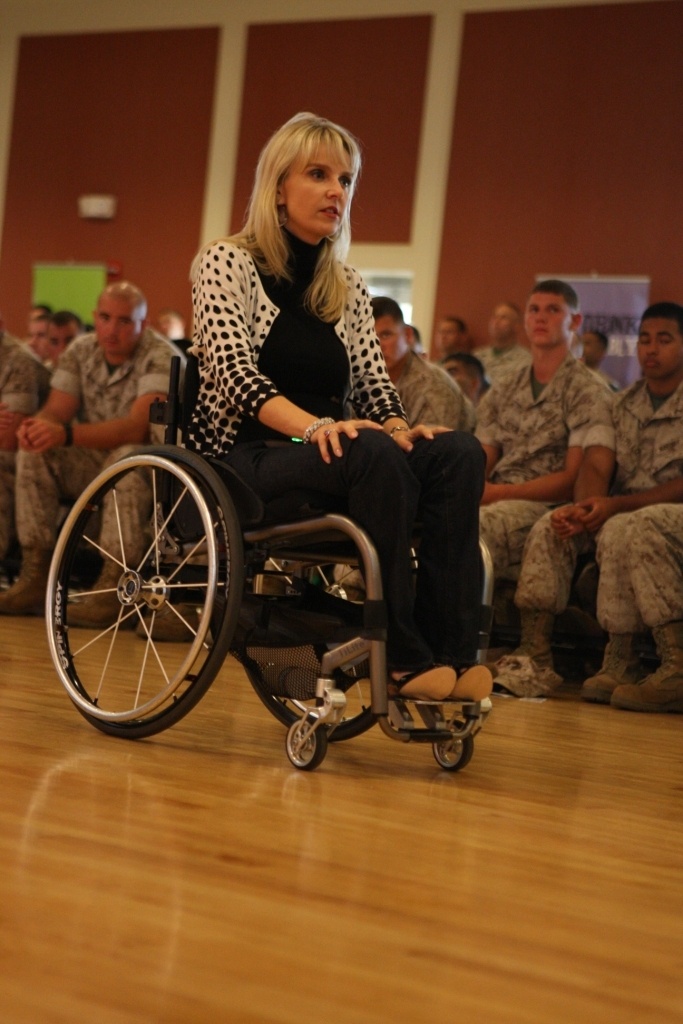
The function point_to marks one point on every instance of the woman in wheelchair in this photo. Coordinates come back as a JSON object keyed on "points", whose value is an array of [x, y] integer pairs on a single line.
{"points": [[294, 393]]}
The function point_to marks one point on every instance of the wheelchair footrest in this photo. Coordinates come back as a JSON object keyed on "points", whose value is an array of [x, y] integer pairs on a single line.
{"points": [[420, 735], [468, 707], [435, 723]]}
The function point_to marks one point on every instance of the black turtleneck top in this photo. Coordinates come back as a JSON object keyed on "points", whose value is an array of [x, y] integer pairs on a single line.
{"points": [[302, 355]]}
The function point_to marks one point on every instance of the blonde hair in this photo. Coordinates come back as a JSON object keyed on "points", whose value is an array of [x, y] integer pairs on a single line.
{"points": [[298, 140]]}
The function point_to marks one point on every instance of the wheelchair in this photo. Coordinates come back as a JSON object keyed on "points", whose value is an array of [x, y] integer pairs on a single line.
{"points": [[236, 577]]}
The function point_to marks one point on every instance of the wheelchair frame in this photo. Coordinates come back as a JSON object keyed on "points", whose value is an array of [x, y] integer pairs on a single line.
{"points": [[210, 537]]}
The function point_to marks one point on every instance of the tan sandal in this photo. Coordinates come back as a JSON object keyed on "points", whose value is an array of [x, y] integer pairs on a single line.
{"points": [[436, 683], [475, 683]]}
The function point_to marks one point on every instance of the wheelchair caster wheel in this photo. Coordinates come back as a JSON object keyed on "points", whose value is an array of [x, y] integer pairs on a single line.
{"points": [[306, 750], [453, 754]]}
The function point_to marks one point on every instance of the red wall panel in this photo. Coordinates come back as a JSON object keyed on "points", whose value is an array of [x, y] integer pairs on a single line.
{"points": [[567, 153], [368, 75], [127, 113]]}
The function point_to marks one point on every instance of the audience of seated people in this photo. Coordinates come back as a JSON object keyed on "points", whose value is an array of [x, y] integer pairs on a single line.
{"points": [[631, 517], [570, 468], [36, 346], [504, 354], [48, 336], [63, 327], [451, 336], [97, 410], [38, 311], [427, 392], [18, 399], [595, 345], [36, 342], [535, 426], [171, 325], [467, 370], [415, 340]]}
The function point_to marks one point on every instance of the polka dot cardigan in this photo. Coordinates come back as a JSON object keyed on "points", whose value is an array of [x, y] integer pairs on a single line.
{"points": [[232, 318]]}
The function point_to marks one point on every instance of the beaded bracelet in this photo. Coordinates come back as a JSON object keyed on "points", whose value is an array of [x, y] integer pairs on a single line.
{"points": [[395, 429], [311, 429]]}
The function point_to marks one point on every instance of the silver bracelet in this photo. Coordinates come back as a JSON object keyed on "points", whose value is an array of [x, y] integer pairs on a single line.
{"points": [[395, 429], [326, 421]]}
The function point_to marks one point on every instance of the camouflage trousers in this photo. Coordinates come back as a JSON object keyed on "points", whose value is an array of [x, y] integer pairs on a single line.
{"points": [[505, 526], [43, 481], [640, 555], [7, 471]]}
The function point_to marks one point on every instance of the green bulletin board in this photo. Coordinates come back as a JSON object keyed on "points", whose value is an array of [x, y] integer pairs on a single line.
{"points": [[74, 286]]}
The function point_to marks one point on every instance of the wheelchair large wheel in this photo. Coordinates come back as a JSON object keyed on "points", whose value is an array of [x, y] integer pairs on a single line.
{"points": [[122, 676]]}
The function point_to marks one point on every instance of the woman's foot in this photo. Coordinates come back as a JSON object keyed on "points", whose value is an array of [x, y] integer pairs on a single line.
{"points": [[436, 683], [473, 683], [441, 682]]}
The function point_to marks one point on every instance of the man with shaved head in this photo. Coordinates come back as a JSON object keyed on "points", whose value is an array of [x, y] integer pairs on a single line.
{"points": [[97, 410]]}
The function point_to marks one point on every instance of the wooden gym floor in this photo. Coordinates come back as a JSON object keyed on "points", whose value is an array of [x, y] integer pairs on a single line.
{"points": [[197, 877]]}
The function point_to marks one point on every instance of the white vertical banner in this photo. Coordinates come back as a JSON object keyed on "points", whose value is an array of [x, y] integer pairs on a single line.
{"points": [[613, 305]]}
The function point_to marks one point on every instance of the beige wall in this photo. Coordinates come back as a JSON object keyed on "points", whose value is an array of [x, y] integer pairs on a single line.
{"points": [[421, 255]]}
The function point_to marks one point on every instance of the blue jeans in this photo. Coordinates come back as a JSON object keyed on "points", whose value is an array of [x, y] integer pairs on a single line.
{"points": [[387, 491]]}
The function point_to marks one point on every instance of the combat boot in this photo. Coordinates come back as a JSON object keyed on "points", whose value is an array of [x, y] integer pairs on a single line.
{"points": [[100, 610], [620, 665], [663, 689], [26, 596], [528, 671]]}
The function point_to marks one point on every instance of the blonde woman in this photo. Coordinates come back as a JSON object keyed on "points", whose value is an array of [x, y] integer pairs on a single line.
{"points": [[287, 353]]}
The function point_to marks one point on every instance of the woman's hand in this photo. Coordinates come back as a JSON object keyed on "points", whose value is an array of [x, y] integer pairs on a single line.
{"points": [[327, 438], [405, 438]]}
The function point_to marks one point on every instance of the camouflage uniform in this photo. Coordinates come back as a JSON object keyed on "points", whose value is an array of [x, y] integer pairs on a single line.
{"points": [[532, 436], [9, 339], [19, 393], [429, 395], [640, 553], [103, 395], [43, 373], [498, 363]]}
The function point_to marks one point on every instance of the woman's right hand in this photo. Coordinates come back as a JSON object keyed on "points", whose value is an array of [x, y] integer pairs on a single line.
{"points": [[327, 437]]}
